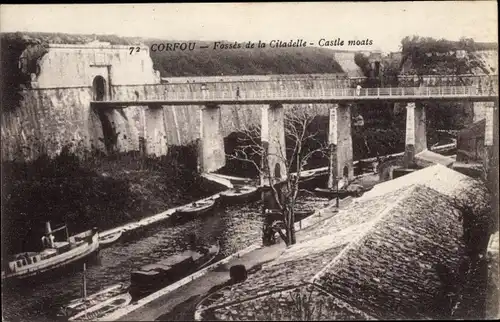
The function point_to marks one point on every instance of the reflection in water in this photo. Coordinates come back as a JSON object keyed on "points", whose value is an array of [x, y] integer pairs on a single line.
{"points": [[236, 227]]}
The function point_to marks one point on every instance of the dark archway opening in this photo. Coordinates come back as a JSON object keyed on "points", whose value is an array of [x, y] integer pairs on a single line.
{"points": [[99, 88], [110, 136], [346, 172]]}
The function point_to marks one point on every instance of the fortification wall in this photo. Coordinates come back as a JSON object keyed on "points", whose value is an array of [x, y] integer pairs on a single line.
{"points": [[51, 118], [77, 65], [47, 120]]}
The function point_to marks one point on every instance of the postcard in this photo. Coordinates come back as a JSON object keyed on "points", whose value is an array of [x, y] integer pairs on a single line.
{"points": [[250, 161]]}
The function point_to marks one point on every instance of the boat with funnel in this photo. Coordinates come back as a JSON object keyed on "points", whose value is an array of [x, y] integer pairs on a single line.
{"points": [[56, 254]]}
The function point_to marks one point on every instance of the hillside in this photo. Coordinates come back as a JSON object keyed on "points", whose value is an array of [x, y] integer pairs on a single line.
{"points": [[198, 62]]}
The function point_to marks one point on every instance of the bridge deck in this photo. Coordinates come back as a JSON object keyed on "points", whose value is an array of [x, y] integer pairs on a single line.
{"points": [[338, 95]]}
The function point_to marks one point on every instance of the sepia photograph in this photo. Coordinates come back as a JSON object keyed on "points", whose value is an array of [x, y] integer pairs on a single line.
{"points": [[249, 161]]}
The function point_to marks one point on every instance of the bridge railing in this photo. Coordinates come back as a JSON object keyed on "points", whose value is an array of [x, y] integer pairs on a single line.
{"points": [[451, 91]]}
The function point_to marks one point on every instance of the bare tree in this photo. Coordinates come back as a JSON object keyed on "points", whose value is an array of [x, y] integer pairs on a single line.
{"points": [[479, 221], [303, 135]]}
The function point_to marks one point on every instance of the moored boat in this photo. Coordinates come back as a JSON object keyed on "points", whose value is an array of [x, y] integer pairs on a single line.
{"points": [[299, 214], [331, 193], [153, 277], [85, 303], [339, 189], [56, 254], [195, 208], [105, 241], [100, 310], [239, 194]]}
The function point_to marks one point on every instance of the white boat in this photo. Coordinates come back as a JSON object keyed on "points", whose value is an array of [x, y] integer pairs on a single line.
{"points": [[56, 254], [79, 305], [104, 308], [197, 207], [239, 194], [109, 239]]}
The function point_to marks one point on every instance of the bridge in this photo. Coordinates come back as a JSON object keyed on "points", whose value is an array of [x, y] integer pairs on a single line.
{"points": [[336, 95], [271, 100]]}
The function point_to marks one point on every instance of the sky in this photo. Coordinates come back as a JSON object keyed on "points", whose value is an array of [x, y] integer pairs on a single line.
{"points": [[385, 23]]}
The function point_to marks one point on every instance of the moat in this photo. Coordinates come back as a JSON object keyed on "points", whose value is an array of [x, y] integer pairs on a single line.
{"points": [[236, 227]]}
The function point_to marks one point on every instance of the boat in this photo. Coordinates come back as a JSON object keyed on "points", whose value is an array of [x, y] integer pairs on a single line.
{"points": [[299, 214], [339, 189], [153, 277], [85, 303], [56, 254], [104, 308], [195, 208], [239, 194], [107, 240], [331, 193]]}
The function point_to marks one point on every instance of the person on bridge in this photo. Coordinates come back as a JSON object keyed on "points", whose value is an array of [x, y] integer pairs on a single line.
{"points": [[237, 92], [358, 90]]}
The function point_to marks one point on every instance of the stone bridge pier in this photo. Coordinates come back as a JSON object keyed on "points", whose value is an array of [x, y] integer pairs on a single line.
{"points": [[416, 136], [340, 143], [273, 141], [211, 150], [490, 135], [155, 133]]}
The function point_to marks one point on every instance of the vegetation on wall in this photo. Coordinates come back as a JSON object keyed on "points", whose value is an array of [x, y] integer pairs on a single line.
{"points": [[469, 282], [429, 56], [12, 80]]}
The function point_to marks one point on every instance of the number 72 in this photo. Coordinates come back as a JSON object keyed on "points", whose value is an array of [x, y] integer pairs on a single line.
{"points": [[137, 49]]}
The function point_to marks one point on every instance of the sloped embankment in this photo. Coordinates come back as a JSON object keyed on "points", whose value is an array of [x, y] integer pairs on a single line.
{"points": [[101, 191]]}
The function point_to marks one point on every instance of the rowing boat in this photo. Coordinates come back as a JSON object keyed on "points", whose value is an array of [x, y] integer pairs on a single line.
{"points": [[197, 207], [107, 240], [193, 209], [85, 303], [104, 308], [239, 194]]}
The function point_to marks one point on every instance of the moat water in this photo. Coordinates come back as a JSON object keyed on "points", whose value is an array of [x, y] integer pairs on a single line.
{"points": [[236, 227]]}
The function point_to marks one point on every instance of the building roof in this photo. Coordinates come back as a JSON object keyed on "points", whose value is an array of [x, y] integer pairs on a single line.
{"points": [[374, 259], [438, 177], [428, 158]]}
